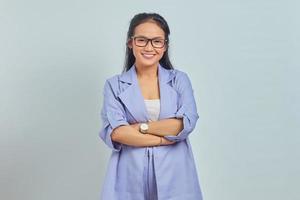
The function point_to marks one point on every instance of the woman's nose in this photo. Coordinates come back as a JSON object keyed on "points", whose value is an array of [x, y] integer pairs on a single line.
{"points": [[149, 46]]}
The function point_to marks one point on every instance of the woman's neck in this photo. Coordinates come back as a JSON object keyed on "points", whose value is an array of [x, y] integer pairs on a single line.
{"points": [[148, 72]]}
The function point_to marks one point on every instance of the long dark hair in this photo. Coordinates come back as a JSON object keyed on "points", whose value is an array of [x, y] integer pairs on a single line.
{"points": [[137, 20]]}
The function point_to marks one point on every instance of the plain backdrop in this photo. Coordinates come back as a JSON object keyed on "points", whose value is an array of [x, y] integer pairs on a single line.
{"points": [[241, 56]]}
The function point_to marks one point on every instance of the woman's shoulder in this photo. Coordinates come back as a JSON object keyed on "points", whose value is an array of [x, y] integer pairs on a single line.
{"points": [[114, 79], [179, 72], [114, 82], [111, 82], [181, 80], [180, 75]]}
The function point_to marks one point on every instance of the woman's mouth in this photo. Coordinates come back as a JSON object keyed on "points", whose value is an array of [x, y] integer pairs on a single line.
{"points": [[148, 55]]}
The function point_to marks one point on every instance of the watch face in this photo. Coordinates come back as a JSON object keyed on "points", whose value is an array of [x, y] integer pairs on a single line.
{"points": [[144, 127]]}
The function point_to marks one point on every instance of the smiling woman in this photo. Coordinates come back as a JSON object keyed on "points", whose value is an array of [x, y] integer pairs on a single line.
{"points": [[148, 54], [148, 113]]}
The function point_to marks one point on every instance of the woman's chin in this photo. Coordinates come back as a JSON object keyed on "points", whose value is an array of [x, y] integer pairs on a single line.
{"points": [[148, 62]]}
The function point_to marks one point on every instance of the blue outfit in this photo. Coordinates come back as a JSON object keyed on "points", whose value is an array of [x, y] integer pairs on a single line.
{"points": [[150, 173]]}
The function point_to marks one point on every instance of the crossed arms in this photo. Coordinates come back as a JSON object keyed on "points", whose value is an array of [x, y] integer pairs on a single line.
{"points": [[130, 135]]}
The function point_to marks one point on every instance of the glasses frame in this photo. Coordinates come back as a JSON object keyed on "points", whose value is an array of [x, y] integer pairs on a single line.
{"points": [[148, 39]]}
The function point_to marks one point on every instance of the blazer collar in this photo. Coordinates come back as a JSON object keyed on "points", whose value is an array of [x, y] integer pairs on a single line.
{"points": [[130, 76]]}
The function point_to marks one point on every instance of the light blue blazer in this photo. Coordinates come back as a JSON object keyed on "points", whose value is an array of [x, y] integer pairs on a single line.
{"points": [[174, 166]]}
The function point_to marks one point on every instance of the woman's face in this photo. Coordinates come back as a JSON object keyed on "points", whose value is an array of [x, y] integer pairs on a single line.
{"points": [[148, 55]]}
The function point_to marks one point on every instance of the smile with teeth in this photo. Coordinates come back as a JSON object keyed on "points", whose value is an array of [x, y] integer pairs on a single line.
{"points": [[148, 55]]}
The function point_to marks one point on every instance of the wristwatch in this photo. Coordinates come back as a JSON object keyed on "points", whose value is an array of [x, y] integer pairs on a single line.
{"points": [[144, 128]]}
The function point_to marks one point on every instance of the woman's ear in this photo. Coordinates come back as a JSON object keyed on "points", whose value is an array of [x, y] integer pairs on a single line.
{"points": [[165, 48], [129, 43]]}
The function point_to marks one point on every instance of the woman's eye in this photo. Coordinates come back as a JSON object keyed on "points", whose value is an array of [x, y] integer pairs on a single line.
{"points": [[158, 41], [141, 40]]}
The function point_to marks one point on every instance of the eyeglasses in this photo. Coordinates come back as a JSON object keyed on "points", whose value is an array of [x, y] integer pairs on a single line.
{"points": [[141, 41]]}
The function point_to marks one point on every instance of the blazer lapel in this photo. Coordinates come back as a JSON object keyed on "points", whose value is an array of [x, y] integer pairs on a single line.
{"points": [[168, 96], [132, 97]]}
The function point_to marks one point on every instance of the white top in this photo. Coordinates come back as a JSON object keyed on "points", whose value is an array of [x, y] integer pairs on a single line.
{"points": [[153, 108]]}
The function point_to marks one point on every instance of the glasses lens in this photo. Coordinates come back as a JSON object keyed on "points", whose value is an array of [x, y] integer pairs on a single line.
{"points": [[158, 43], [140, 41]]}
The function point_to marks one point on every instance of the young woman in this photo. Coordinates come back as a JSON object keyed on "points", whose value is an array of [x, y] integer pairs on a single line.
{"points": [[148, 112]]}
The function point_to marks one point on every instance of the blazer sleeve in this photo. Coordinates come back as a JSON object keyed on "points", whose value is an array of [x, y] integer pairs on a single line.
{"points": [[112, 115], [187, 107]]}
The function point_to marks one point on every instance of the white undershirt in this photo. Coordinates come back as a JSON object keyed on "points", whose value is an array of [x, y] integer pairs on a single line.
{"points": [[153, 108]]}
